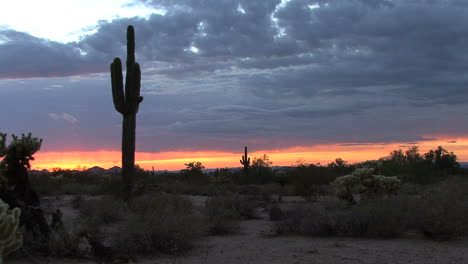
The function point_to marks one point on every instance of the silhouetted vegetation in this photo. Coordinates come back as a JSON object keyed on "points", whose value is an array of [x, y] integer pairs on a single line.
{"points": [[17, 191], [126, 102]]}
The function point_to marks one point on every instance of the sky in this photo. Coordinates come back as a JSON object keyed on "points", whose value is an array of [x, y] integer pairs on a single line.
{"points": [[295, 79]]}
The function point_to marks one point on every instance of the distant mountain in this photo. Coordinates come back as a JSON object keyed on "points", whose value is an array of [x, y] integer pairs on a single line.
{"points": [[96, 170], [115, 169], [463, 164]]}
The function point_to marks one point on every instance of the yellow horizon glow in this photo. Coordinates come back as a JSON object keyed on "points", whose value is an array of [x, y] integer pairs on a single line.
{"points": [[175, 160]]}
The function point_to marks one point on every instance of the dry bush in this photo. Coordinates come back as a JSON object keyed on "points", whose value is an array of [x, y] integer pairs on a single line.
{"points": [[79, 188], [105, 210], [276, 213], [246, 205], [316, 221], [442, 213], [292, 220], [384, 217], [63, 243], [77, 201], [222, 214], [158, 223]]}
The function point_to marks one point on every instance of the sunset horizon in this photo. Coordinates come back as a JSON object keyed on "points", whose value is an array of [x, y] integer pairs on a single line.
{"points": [[176, 160]]}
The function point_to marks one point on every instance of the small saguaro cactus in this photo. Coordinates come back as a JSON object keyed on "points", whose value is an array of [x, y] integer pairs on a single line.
{"points": [[127, 102], [245, 161], [10, 237]]}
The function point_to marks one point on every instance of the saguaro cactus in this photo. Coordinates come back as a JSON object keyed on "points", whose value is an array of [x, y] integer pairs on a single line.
{"points": [[245, 161], [127, 104]]}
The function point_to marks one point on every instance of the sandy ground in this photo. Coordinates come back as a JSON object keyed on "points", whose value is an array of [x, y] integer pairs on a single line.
{"points": [[255, 245]]}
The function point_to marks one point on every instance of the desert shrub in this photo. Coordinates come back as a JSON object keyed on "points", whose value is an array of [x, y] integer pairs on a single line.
{"points": [[318, 217], [159, 223], [250, 189], [316, 221], [373, 218], [442, 211], [111, 185], [292, 220], [105, 210], [276, 213], [182, 187], [63, 243], [45, 184], [409, 189], [347, 222], [246, 205], [79, 188], [77, 201], [331, 203], [271, 188], [304, 177], [222, 214], [382, 217]]}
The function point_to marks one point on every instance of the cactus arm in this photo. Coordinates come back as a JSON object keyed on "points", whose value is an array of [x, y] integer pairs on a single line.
{"points": [[117, 86], [130, 46]]}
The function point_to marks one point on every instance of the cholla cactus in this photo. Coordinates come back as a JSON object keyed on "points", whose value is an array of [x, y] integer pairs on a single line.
{"points": [[363, 181], [17, 156], [10, 238], [345, 186], [21, 149]]}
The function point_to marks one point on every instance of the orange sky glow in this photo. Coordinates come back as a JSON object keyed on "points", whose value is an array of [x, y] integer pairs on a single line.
{"points": [[323, 154]]}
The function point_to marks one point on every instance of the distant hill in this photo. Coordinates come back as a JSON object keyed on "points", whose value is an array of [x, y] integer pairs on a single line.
{"points": [[463, 164], [115, 169]]}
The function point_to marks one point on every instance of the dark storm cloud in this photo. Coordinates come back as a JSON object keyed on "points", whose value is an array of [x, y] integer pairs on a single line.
{"points": [[23, 56], [220, 73]]}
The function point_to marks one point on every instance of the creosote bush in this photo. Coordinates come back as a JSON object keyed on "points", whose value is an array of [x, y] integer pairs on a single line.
{"points": [[105, 210], [159, 223], [442, 212], [222, 213], [381, 217], [64, 243], [276, 213]]}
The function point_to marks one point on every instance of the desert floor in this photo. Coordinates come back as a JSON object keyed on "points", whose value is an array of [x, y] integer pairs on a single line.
{"points": [[256, 244]]}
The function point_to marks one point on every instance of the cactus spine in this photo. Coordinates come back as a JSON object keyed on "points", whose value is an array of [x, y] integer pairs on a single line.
{"points": [[127, 104], [10, 238], [245, 161]]}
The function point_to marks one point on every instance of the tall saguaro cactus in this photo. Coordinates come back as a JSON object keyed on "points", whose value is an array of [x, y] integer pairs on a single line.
{"points": [[245, 161], [127, 102]]}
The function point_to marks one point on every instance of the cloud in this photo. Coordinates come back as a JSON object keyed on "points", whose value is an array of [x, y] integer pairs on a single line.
{"points": [[219, 73], [25, 56], [64, 116]]}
